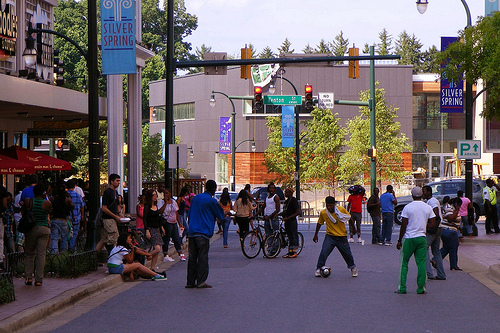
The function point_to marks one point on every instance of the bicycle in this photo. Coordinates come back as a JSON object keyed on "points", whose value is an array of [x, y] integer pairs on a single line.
{"points": [[279, 240], [253, 241]]}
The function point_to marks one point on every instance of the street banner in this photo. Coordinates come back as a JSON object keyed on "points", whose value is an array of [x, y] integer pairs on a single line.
{"points": [[452, 93], [287, 126], [491, 6], [225, 135], [263, 74], [118, 37]]}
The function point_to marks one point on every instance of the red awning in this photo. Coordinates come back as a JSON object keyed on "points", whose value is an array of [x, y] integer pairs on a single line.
{"points": [[10, 166], [40, 162]]}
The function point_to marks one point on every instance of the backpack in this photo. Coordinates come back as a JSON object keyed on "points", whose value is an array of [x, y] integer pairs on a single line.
{"points": [[28, 219]]}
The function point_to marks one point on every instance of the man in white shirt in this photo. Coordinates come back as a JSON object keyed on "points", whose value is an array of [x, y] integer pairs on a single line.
{"points": [[434, 239], [416, 216]]}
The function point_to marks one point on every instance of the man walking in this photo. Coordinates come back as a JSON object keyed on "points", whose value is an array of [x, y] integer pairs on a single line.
{"points": [[434, 239], [335, 218], [77, 213], [202, 214], [373, 208], [416, 217], [110, 217], [490, 206], [387, 202]]}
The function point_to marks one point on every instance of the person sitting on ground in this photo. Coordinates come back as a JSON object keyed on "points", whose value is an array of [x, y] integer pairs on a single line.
{"points": [[125, 250]]}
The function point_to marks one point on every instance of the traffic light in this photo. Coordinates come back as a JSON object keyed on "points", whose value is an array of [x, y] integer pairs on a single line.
{"points": [[309, 103], [58, 69], [62, 145], [257, 97]]}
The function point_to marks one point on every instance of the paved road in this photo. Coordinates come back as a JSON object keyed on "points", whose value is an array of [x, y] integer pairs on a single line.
{"points": [[281, 295]]}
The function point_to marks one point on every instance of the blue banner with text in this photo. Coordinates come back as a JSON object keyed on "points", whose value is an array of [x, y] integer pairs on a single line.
{"points": [[287, 126]]}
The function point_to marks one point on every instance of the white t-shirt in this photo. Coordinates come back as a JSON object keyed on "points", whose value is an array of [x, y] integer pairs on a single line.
{"points": [[433, 202], [79, 190], [417, 213], [117, 255]]}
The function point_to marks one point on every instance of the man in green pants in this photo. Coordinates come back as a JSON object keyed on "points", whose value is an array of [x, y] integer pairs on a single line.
{"points": [[416, 217]]}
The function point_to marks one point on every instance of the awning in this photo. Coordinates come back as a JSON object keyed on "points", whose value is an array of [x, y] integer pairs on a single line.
{"points": [[10, 166], [39, 161]]}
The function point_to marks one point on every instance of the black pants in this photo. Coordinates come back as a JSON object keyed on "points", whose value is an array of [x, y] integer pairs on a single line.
{"points": [[491, 219], [243, 224], [291, 231], [197, 272], [171, 231]]}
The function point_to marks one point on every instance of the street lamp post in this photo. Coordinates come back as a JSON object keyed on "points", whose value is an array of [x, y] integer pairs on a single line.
{"points": [[93, 108], [469, 101], [233, 135], [297, 139]]}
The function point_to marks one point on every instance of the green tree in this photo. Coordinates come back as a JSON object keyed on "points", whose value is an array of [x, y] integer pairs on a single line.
{"points": [[339, 46], [308, 49], [366, 49], [285, 47], [408, 47], [391, 143], [153, 166], [478, 57], [267, 53], [321, 144], [429, 63], [323, 47], [199, 54], [384, 47]]}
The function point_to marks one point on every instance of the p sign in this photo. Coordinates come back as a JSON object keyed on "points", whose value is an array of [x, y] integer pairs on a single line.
{"points": [[469, 149]]}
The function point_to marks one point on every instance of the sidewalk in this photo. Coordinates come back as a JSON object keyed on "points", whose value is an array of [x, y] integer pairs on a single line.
{"points": [[35, 303]]}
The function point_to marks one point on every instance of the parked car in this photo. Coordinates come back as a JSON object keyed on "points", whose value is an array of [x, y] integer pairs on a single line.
{"points": [[448, 187], [232, 195], [260, 193]]}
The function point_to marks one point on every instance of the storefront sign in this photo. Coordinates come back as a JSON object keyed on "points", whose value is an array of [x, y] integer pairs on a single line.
{"points": [[8, 31], [118, 37]]}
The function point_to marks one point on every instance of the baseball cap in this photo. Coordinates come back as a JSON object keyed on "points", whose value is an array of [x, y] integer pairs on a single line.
{"points": [[416, 192]]}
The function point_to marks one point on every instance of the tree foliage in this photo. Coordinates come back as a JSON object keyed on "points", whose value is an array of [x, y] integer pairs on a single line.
{"points": [[323, 47], [153, 166], [408, 47], [267, 53], [384, 47], [391, 143], [285, 47], [339, 45], [477, 57]]}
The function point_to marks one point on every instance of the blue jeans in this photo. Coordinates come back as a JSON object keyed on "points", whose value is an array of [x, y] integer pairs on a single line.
{"points": [[376, 229], [59, 230], [329, 243], [72, 240], [197, 271], [387, 222], [271, 225], [433, 241], [226, 222], [183, 219], [450, 246], [466, 225]]}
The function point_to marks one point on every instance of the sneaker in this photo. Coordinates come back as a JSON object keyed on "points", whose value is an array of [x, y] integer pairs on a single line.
{"points": [[168, 259], [354, 272], [388, 244], [351, 240], [360, 240], [182, 257], [380, 243], [317, 273], [159, 278]]}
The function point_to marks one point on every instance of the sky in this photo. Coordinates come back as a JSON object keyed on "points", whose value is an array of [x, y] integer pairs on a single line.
{"points": [[227, 25]]}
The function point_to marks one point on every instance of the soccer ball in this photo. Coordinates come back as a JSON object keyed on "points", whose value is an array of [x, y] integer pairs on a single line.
{"points": [[325, 271]]}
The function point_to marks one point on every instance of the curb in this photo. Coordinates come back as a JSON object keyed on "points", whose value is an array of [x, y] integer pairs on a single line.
{"points": [[494, 272]]}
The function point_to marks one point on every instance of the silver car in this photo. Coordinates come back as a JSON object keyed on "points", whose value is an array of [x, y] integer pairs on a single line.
{"points": [[449, 188]]}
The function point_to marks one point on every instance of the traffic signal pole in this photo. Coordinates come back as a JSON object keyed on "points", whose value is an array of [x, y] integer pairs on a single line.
{"points": [[373, 161]]}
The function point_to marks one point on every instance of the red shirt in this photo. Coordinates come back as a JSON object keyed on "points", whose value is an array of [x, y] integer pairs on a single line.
{"points": [[356, 202]]}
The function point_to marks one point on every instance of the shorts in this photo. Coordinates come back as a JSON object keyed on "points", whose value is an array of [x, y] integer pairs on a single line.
{"points": [[116, 270], [109, 232]]}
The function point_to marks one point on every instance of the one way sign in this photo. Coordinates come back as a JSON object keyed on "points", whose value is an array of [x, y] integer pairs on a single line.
{"points": [[469, 149]]}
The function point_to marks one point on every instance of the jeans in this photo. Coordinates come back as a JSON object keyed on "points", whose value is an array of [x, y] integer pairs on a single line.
{"points": [[59, 230], [36, 246], [450, 246], [355, 224], [329, 243], [433, 241], [271, 225], [171, 231], [197, 272], [387, 222], [72, 240], [226, 222], [376, 229], [293, 236], [466, 225], [183, 219], [418, 247]]}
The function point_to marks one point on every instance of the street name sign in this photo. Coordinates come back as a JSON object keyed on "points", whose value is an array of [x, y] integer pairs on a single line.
{"points": [[469, 149], [326, 100], [283, 100]]}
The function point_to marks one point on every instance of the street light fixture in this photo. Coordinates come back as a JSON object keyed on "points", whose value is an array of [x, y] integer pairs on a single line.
{"points": [[233, 134], [422, 6], [29, 54], [272, 87]]}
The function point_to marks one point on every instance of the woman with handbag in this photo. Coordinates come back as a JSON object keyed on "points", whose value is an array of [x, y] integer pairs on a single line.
{"points": [[37, 237], [152, 224]]}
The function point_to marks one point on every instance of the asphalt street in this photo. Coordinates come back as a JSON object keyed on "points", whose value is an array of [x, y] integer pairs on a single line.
{"points": [[283, 295]]}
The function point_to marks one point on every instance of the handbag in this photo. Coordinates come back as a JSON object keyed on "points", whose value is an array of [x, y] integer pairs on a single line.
{"points": [[28, 219]]}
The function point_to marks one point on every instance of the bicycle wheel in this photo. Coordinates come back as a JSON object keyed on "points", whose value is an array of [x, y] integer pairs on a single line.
{"points": [[272, 246], [301, 242], [251, 245]]}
